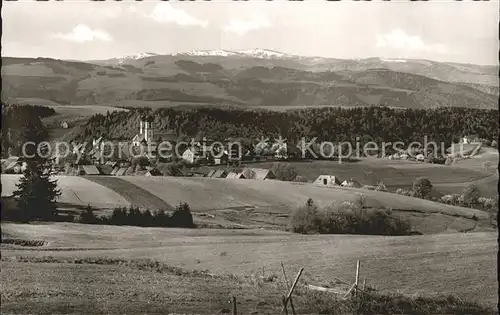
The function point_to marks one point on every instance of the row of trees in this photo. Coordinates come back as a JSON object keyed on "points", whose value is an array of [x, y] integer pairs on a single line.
{"points": [[179, 217]]}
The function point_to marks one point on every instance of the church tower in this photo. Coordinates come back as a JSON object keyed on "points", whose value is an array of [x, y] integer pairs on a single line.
{"points": [[148, 130]]}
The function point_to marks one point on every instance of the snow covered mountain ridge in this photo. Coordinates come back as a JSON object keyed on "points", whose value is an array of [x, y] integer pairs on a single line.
{"points": [[254, 53], [136, 56]]}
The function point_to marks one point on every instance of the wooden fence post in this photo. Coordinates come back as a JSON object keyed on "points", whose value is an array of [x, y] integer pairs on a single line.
{"points": [[364, 283], [288, 288], [283, 299], [357, 278], [292, 288], [233, 304]]}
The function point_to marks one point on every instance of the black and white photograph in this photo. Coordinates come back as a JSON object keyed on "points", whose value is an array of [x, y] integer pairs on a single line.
{"points": [[249, 157]]}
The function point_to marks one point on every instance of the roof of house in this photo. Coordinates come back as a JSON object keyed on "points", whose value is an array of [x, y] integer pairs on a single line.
{"points": [[232, 175], [154, 172], [210, 173], [113, 172], [111, 163], [121, 171], [219, 174], [260, 173], [106, 169], [90, 170], [352, 182]]}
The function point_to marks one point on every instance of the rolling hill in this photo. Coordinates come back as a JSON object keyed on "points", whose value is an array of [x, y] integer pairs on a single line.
{"points": [[250, 78], [251, 203]]}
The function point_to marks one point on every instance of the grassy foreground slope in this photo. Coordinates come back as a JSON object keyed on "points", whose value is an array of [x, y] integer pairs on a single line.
{"points": [[462, 264]]}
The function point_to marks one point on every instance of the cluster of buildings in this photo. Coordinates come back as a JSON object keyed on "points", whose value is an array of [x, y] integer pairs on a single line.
{"points": [[152, 145], [13, 165], [246, 173]]}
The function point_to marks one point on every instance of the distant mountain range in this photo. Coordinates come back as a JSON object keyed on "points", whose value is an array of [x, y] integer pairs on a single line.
{"points": [[255, 77], [250, 53]]}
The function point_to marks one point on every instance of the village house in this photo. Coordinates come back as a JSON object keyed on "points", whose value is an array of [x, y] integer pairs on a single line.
{"points": [[351, 183], [327, 180], [258, 173], [234, 175], [470, 139], [88, 170]]}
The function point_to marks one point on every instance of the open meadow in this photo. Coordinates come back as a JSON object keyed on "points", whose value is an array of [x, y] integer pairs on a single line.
{"points": [[462, 264]]}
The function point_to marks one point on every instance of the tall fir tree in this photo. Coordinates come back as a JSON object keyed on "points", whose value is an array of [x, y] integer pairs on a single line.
{"points": [[36, 191]]}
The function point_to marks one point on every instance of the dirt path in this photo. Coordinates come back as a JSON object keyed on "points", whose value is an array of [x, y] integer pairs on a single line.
{"points": [[132, 193]]}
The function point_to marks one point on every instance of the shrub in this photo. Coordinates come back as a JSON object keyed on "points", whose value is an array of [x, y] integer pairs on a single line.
{"points": [[405, 192], [352, 219], [471, 195], [306, 219], [284, 171], [422, 187], [488, 203], [381, 187], [494, 144], [453, 199], [88, 216], [249, 174], [347, 218]]}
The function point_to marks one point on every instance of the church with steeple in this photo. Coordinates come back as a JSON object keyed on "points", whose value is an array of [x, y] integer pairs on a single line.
{"points": [[149, 137], [146, 132]]}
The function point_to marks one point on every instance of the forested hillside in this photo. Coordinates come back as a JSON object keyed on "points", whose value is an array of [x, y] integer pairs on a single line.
{"points": [[328, 124], [250, 82], [21, 123]]}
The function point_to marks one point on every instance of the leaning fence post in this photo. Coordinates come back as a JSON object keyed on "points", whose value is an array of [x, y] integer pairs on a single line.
{"points": [[357, 278], [283, 299], [292, 288], [288, 288], [233, 304]]}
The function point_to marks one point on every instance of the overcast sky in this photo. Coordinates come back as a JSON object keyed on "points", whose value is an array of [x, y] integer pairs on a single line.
{"points": [[445, 31]]}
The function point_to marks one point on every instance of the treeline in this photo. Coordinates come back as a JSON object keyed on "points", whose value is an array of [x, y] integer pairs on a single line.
{"points": [[22, 123], [180, 217], [327, 124]]}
